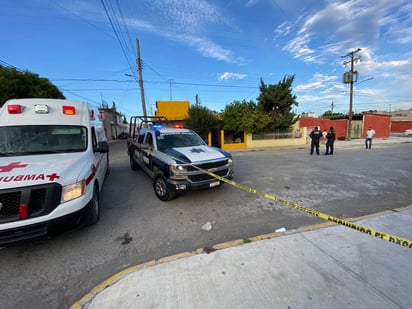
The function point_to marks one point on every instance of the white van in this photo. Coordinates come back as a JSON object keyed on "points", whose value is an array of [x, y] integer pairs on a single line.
{"points": [[53, 161]]}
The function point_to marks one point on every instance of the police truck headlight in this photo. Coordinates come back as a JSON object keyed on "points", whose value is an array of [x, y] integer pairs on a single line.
{"points": [[176, 171], [73, 191]]}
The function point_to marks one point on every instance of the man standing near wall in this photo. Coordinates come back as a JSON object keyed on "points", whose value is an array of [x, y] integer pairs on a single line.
{"points": [[369, 136]]}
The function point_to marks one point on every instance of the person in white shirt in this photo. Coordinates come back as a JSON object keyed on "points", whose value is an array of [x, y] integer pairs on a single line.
{"points": [[369, 136]]}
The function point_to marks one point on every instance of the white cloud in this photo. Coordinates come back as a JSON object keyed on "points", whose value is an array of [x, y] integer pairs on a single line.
{"points": [[299, 46], [251, 3], [283, 29], [348, 24], [306, 87], [205, 47], [231, 76], [186, 22], [190, 16], [318, 81]]}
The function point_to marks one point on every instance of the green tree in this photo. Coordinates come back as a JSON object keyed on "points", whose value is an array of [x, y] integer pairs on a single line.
{"points": [[329, 114], [278, 101], [201, 120], [244, 116], [17, 85]]}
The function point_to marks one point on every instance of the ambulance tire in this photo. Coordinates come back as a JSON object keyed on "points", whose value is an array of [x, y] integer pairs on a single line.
{"points": [[108, 166], [92, 213], [161, 189]]}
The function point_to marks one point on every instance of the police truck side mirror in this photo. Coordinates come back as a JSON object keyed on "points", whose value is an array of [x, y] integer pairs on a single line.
{"points": [[102, 147], [146, 146]]}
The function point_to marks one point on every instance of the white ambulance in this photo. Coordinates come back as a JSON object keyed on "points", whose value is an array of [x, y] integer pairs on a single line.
{"points": [[53, 161]]}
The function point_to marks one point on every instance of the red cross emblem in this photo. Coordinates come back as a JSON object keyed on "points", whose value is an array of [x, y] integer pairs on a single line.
{"points": [[53, 176], [11, 166]]}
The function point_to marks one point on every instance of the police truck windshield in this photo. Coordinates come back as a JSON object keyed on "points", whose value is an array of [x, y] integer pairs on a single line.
{"points": [[175, 139], [42, 139]]}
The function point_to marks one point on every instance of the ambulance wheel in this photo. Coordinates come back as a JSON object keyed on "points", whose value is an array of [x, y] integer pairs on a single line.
{"points": [[108, 166], [92, 213], [161, 189]]}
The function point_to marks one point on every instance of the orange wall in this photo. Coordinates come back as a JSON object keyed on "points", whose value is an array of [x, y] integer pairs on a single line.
{"points": [[340, 125], [400, 126], [380, 123]]}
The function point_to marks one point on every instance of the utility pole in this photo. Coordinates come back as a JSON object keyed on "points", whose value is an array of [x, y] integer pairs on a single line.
{"points": [[348, 77], [170, 88], [139, 70]]}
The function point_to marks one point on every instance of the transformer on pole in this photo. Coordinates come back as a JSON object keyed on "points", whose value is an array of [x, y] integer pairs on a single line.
{"points": [[349, 78]]}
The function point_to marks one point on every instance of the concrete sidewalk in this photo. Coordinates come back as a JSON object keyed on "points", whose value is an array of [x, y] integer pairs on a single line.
{"points": [[353, 143], [329, 266], [393, 139]]}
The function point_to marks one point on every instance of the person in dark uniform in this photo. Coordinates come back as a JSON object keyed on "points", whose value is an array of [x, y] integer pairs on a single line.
{"points": [[331, 140], [315, 135]]}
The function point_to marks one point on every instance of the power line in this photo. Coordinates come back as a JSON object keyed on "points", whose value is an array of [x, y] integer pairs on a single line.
{"points": [[153, 82], [116, 31]]}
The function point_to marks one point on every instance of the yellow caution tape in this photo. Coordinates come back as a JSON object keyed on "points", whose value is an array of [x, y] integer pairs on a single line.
{"points": [[382, 235]]}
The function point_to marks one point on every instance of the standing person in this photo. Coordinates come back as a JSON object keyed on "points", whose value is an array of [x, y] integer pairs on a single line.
{"points": [[324, 136], [369, 136], [331, 141], [315, 135]]}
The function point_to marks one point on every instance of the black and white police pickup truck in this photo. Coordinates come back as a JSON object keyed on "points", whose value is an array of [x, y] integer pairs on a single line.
{"points": [[169, 155]]}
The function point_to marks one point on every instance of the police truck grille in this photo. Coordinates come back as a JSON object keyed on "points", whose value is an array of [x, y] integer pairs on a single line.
{"points": [[203, 177], [207, 166], [40, 200]]}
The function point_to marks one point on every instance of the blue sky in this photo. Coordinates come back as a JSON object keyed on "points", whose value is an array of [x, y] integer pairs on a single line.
{"points": [[215, 49]]}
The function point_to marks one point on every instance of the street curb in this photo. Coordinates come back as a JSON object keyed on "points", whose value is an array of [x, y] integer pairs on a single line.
{"points": [[120, 275]]}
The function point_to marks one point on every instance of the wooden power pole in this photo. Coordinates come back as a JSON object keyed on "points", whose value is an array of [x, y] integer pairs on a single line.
{"points": [[350, 77], [139, 70]]}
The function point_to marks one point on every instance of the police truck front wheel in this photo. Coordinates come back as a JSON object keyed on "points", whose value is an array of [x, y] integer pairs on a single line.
{"points": [[92, 213], [161, 189]]}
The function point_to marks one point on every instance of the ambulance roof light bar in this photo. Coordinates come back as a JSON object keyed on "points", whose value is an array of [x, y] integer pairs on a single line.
{"points": [[14, 109], [41, 109], [69, 110]]}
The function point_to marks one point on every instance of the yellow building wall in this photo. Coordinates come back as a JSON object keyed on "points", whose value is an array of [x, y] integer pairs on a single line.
{"points": [[300, 139], [230, 146], [172, 110]]}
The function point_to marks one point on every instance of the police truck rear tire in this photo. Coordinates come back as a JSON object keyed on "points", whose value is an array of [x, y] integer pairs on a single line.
{"points": [[92, 213], [133, 164], [162, 191]]}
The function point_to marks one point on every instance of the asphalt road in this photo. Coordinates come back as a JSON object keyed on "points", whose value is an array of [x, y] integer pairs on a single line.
{"points": [[136, 227]]}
